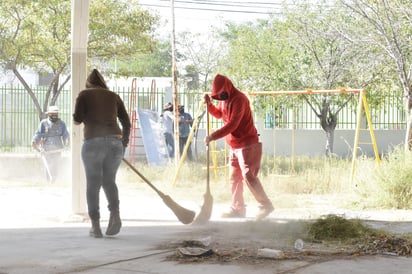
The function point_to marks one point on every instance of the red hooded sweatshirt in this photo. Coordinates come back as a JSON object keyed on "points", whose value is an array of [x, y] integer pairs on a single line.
{"points": [[239, 129]]}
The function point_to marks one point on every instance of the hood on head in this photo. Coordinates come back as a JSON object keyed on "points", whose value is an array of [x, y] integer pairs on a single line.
{"points": [[221, 83], [95, 79]]}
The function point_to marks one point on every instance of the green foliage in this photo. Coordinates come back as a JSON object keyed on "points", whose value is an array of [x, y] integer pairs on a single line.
{"points": [[156, 63], [36, 35], [394, 181], [311, 46], [261, 57], [119, 29]]}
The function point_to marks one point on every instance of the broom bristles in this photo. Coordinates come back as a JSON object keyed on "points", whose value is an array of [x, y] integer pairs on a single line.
{"points": [[206, 210], [184, 215]]}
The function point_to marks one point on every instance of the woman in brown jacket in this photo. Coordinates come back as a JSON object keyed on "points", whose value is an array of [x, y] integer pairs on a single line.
{"points": [[99, 109]]}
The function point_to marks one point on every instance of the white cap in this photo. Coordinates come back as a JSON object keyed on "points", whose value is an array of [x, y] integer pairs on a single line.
{"points": [[53, 109]]}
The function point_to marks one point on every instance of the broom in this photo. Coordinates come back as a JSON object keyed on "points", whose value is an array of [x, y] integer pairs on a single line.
{"points": [[184, 215], [207, 207]]}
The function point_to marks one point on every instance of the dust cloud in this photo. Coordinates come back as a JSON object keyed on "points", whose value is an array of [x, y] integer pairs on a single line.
{"points": [[20, 168]]}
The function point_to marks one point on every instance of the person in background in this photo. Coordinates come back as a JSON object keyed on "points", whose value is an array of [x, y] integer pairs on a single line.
{"points": [[50, 139], [168, 123], [246, 149], [100, 109], [185, 124]]}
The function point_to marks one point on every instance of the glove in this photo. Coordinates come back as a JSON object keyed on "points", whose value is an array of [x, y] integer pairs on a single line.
{"points": [[206, 99], [34, 145], [207, 140]]}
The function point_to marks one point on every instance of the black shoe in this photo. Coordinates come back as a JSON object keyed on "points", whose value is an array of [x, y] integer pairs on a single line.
{"points": [[115, 223], [96, 231]]}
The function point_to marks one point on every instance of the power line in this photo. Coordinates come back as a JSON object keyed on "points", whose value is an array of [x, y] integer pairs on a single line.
{"points": [[193, 5], [228, 3], [236, 4], [208, 9], [205, 9]]}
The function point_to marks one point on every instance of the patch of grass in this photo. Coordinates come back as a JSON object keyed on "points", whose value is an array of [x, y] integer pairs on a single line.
{"points": [[307, 175], [394, 180], [388, 185], [337, 228]]}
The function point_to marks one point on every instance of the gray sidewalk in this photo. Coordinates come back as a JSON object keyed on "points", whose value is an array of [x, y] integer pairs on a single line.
{"points": [[135, 250], [33, 240]]}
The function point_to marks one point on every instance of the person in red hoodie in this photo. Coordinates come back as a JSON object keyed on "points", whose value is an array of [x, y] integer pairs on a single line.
{"points": [[246, 150]]}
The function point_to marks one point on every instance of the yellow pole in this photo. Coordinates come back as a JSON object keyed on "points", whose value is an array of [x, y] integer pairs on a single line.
{"points": [[189, 139], [357, 132], [368, 117]]}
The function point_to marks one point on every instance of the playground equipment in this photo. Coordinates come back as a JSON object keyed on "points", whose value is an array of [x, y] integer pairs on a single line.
{"points": [[136, 146], [362, 105]]}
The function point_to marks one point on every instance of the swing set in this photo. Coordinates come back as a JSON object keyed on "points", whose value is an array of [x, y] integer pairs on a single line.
{"points": [[362, 105]]}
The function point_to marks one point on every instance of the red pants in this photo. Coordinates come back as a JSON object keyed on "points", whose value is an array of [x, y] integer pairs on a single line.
{"points": [[245, 165]]}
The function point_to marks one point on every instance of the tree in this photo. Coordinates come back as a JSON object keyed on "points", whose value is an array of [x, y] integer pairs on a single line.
{"points": [[389, 27], [289, 55], [330, 60], [154, 63], [36, 35], [203, 54], [308, 47], [260, 56], [30, 37]]}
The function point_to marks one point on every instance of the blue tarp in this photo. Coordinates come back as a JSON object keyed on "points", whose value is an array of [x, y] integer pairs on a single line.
{"points": [[152, 136]]}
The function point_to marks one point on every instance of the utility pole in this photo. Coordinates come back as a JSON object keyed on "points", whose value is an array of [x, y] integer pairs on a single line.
{"points": [[175, 86]]}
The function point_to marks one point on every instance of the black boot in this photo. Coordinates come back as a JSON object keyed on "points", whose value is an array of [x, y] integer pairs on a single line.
{"points": [[96, 231], [114, 223]]}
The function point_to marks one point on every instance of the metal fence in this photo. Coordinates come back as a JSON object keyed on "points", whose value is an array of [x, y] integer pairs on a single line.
{"points": [[389, 115], [19, 118]]}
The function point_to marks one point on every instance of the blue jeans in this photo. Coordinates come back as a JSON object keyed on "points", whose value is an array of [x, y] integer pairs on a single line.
{"points": [[101, 159], [170, 144]]}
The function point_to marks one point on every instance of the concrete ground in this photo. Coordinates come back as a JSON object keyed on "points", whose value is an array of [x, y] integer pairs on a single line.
{"points": [[38, 234]]}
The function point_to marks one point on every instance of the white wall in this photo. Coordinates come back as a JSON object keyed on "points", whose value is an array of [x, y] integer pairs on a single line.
{"points": [[146, 82], [8, 78], [285, 142]]}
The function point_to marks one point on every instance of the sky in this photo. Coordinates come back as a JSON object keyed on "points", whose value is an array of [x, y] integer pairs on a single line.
{"points": [[198, 15]]}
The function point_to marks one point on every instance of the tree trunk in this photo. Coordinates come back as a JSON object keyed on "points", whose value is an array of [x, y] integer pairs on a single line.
{"points": [[330, 136], [328, 122], [408, 135]]}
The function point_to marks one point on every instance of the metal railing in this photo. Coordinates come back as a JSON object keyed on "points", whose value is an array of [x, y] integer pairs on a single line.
{"points": [[19, 118]]}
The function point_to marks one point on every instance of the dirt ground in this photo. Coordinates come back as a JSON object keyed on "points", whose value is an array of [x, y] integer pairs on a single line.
{"points": [[245, 243]]}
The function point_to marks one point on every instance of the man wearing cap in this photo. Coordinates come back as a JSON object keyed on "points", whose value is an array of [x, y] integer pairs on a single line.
{"points": [[168, 123], [50, 139], [241, 135]]}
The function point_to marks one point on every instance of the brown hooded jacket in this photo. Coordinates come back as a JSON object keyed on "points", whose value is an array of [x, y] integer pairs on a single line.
{"points": [[98, 109]]}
